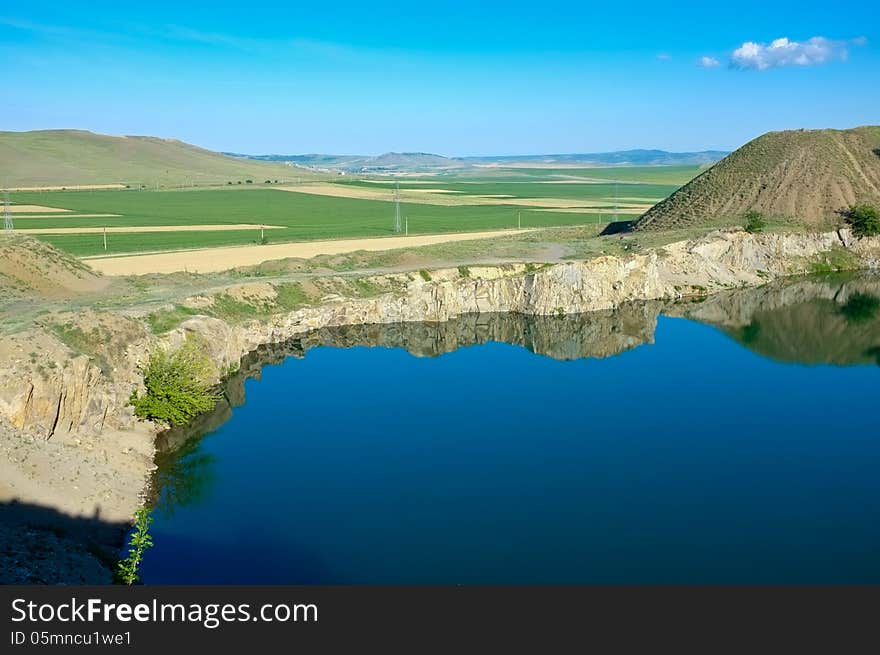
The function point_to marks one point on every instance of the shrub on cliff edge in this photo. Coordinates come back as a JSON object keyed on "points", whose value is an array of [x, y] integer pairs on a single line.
{"points": [[755, 221], [177, 385], [865, 220]]}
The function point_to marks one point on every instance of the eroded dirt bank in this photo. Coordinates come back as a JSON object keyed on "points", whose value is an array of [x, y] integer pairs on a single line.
{"points": [[72, 447]]}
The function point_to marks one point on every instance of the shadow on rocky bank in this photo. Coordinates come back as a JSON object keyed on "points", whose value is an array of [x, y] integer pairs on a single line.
{"points": [[40, 545]]}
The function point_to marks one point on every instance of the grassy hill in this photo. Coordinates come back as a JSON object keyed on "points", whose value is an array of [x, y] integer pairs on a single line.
{"points": [[800, 176], [77, 157]]}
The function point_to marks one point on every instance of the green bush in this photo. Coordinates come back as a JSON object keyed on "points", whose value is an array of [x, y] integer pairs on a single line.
{"points": [[755, 221], [177, 386], [464, 271], [865, 220], [425, 275]]}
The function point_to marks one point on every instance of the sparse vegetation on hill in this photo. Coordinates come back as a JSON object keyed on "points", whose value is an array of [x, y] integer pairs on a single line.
{"points": [[805, 177], [78, 157], [755, 221]]}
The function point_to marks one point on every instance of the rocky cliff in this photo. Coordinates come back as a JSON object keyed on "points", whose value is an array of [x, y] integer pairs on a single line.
{"points": [[78, 397]]}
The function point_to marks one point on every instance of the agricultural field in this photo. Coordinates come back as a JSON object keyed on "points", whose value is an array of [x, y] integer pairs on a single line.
{"points": [[339, 209]]}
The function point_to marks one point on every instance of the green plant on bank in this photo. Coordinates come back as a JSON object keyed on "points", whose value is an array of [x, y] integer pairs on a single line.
{"points": [[464, 271], [755, 221], [833, 260], [229, 370], [165, 320], [177, 386], [864, 219], [140, 540], [291, 295], [229, 309], [365, 289], [88, 343], [425, 275]]}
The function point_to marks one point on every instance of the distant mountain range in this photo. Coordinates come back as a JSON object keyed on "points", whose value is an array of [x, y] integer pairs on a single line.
{"points": [[423, 161]]}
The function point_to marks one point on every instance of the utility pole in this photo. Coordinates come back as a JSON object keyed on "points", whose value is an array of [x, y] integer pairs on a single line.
{"points": [[397, 225], [519, 220], [105, 238], [406, 226], [7, 213], [615, 202]]}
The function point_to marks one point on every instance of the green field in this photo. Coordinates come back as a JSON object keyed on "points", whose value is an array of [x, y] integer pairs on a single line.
{"points": [[537, 189], [308, 217], [672, 175]]}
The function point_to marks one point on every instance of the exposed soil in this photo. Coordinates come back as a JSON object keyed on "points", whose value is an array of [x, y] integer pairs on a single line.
{"points": [[804, 176], [220, 259]]}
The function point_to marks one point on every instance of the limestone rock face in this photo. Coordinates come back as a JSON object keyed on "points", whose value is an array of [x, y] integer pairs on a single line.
{"points": [[70, 397], [77, 396]]}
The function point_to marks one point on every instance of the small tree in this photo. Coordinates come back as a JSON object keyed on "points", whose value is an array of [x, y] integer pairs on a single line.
{"points": [[865, 220], [140, 540], [177, 385], [755, 221]]}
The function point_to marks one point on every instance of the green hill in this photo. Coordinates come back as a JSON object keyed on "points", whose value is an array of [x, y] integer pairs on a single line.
{"points": [[801, 176], [77, 157]]}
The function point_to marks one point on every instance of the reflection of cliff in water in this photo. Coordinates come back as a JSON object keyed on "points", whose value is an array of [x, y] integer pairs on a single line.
{"points": [[818, 320], [184, 472], [592, 335], [596, 334], [831, 319]]}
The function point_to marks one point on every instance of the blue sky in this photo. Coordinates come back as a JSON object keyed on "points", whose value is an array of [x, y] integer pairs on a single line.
{"points": [[457, 78]]}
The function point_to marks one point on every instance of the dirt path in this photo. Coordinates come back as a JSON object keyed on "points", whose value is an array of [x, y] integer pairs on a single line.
{"points": [[150, 228], [435, 196], [33, 209], [69, 187], [18, 218], [212, 260]]}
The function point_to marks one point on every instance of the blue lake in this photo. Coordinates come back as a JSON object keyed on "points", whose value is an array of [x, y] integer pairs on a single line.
{"points": [[730, 441]]}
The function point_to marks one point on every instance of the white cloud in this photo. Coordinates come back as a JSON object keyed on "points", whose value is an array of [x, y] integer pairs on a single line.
{"points": [[664, 56], [708, 62], [783, 52]]}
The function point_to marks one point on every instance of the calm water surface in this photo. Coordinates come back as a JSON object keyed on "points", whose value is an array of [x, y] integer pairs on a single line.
{"points": [[729, 441]]}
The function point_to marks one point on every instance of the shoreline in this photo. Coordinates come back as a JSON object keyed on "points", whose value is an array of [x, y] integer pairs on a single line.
{"points": [[96, 464]]}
